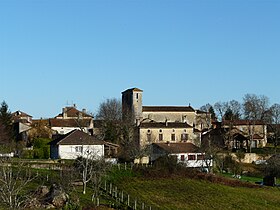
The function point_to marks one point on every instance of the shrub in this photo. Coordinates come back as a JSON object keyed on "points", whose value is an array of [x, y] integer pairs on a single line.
{"points": [[273, 166], [27, 154], [41, 148]]}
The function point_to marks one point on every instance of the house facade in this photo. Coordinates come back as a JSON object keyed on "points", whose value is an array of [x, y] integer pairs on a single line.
{"points": [[163, 132], [255, 131], [186, 153], [74, 144], [21, 124], [71, 119]]}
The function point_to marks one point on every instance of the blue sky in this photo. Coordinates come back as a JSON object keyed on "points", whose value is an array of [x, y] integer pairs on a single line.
{"points": [[58, 52]]}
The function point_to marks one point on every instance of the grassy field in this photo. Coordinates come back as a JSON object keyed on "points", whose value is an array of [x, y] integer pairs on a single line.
{"points": [[184, 193]]}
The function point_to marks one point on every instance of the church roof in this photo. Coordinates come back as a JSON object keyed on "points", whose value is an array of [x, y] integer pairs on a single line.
{"points": [[168, 109]]}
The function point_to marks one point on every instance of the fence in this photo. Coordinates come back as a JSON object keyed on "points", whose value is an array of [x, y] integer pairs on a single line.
{"points": [[124, 198]]}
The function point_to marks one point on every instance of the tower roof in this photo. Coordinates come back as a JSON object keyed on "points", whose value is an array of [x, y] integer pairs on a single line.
{"points": [[133, 89]]}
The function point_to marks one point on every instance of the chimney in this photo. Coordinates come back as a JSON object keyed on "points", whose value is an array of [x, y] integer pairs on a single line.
{"points": [[64, 112], [84, 110]]}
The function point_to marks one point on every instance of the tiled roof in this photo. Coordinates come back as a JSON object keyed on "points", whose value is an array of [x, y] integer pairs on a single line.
{"points": [[257, 136], [201, 112], [168, 109], [243, 122], [69, 122], [165, 125], [77, 137], [133, 89], [175, 148], [20, 114], [45, 122], [73, 112]]}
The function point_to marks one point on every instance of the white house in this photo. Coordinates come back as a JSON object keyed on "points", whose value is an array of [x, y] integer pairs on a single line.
{"points": [[71, 119], [74, 144], [186, 153]]}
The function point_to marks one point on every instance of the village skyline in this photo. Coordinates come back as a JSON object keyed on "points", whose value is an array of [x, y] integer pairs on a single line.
{"points": [[59, 53]]}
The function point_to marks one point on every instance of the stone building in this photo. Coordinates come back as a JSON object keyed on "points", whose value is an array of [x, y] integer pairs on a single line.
{"points": [[159, 124], [71, 119]]}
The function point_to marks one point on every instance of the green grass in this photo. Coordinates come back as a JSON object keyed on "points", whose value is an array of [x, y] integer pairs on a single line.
{"points": [[247, 178], [194, 194]]}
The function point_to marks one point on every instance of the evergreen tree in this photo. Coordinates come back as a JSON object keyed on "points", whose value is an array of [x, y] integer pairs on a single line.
{"points": [[5, 115], [6, 129]]}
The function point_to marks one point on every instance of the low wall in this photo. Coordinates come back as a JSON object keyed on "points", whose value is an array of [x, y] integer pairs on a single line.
{"points": [[250, 157]]}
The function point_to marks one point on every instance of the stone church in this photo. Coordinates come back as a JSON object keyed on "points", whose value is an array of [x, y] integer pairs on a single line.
{"points": [[163, 124]]}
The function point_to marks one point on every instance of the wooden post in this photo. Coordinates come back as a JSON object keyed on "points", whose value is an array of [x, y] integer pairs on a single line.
{"points": [[97, 202], [105, 187], [143, 206], [135, 204], [119, 166], [116, 192], [125, 166], [122, 196], [110, 189], [128, 200]]}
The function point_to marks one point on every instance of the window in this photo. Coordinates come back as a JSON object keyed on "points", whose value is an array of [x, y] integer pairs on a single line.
{"points": [[173, 138], [160, 137], [184, 137], [182, 157], [79, 149], [200, 157], [149, 137], [136, 95], [191, 157]]}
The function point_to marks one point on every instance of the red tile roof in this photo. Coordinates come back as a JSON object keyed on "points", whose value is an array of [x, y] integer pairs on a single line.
{"points": [[243, 122], [69, 122], [165, 125], [175, 148], [73, 112], [167, 109], [77, 137], [20, 114]]}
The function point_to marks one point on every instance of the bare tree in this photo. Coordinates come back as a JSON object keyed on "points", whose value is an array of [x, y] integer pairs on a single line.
{"points": [[110, 110], [85, 168], [100, 167], [274, 124], [91, 167], [14, 178], [221, 108], [110, 115], [255, 108], [236, 108]]}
